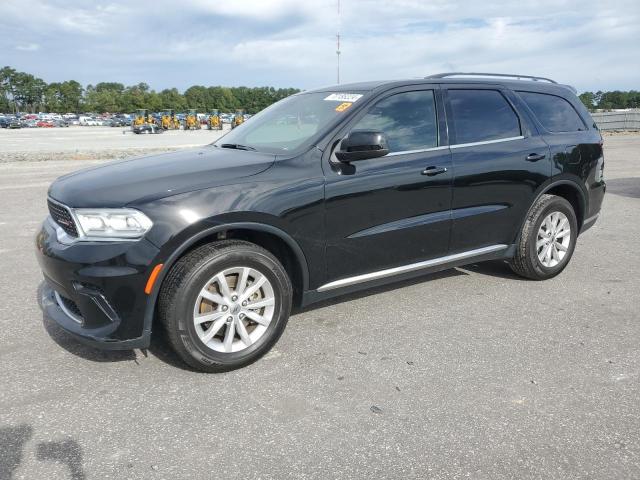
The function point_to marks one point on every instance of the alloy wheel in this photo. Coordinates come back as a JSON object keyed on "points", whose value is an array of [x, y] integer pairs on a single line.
{"points": [[553, 240], [234, 309]]}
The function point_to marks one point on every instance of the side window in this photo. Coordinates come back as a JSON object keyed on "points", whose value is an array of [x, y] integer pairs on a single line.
{"points": [[408, 119], [554, 113], [481, 115]]}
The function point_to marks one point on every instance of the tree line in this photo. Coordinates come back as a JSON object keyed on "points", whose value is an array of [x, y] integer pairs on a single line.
{"points": [[23, 92], [611, 100]]}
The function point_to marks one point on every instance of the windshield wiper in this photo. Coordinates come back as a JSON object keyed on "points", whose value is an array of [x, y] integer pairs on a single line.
{"points": [[237, 146]]}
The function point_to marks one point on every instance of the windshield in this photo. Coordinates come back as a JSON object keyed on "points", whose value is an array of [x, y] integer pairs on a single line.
{"points": [[289, 123]]}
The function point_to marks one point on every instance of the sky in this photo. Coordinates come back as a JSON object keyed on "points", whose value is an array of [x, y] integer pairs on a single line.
{"points": [[592, 45]]}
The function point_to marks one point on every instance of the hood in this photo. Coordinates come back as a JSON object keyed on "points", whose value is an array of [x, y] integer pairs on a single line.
{"points": [[144, 179]]}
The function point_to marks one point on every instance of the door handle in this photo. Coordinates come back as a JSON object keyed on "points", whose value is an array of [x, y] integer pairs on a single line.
{"points": [[433, 170], [534, 157]]}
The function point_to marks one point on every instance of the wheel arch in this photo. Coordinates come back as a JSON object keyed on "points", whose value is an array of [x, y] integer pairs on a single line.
{"points": [[566, 188], [274, 239], [571, 192]]}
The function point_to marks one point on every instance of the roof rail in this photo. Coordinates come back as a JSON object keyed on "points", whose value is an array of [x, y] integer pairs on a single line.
{"points": [[500, 75]]}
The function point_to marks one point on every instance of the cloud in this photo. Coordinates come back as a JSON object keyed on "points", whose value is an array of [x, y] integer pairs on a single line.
{"points": [[28, 47], [258, 9], [292, 43]]}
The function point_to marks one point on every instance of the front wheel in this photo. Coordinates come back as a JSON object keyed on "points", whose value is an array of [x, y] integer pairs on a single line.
{"points": [[224, 305], [547, 240]]}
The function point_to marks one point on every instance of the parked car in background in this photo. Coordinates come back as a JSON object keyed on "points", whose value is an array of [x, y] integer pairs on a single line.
{"points": [[71, 119], [88, 121], [15, 123], [119, 122], [4, 122], [147, 128], [116, 122]]}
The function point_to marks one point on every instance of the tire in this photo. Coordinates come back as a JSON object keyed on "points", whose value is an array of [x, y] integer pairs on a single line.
{"points": [[181, 304], [554, 212]]}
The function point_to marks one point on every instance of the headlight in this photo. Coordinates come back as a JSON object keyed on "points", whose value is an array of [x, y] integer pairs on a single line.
{"points": [[121, 223]]}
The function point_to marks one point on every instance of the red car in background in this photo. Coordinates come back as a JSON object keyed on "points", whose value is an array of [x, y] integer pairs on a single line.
{"points": [[45, 124]]}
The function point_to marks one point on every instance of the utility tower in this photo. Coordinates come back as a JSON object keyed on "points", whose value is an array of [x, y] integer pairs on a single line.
{"points": [[338, 44]]}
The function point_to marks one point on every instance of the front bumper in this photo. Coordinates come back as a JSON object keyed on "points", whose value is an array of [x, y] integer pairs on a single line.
{"points": [[100, 288]]}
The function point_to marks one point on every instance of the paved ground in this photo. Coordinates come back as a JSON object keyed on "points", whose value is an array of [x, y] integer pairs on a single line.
{"points": [[472, 373]]}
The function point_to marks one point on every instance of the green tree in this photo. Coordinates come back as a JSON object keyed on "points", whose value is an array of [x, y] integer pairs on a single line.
{"points": [[63, 97], [589, 99], [135, 97], [6, 89], [28, 91], [171, 98], [197, 97], [634, 99], [71, 96], [114, 87], [220, 98], [615, 99]]}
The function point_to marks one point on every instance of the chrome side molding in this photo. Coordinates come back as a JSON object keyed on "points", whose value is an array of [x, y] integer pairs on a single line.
{"points": [[486, 142], [421, 150], [455, 145], [389, 272]]}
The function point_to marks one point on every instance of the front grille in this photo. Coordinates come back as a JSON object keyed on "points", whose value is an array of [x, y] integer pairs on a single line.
{"points": [[62, 217]]}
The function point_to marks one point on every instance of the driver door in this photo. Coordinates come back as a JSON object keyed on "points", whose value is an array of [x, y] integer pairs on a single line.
{"points": [[394, 210]]}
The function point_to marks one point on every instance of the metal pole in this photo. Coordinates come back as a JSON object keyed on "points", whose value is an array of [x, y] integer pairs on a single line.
{"points": [[338, 44]]}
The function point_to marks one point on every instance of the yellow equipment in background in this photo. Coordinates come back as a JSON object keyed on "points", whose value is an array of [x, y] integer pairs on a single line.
{"points": [[238, 118], [192, 122], [167, 120], [141, 117], [214, 122]]}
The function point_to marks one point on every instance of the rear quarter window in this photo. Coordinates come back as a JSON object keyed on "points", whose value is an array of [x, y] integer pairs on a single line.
{"points": [[554, 113]]}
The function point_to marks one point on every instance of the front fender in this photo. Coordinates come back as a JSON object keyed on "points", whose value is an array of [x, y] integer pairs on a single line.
{"points": [[184, 241]]}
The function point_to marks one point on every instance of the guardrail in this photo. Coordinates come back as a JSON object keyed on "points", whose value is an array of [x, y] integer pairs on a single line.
{"points": [[629, 120]]}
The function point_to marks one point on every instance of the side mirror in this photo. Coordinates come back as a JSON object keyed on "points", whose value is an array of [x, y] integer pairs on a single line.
{"points": [[361, 145]]}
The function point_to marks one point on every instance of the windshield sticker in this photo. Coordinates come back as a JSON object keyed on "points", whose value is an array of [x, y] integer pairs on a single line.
{"points": [[343, 97], [343, 106]]}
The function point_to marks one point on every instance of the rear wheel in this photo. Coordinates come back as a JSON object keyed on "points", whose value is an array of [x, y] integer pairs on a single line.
{"points": [[224, 305], [547, 240]]}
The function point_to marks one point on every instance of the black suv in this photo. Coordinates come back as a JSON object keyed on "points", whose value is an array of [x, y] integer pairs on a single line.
{"points": [[323, 193]]}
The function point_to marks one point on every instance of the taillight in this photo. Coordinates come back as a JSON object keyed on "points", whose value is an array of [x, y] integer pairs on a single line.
{"points": [[599, 174]]}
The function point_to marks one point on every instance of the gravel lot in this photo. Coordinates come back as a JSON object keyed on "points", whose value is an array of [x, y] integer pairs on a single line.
{"points": [[86, 143], [471, 373]]}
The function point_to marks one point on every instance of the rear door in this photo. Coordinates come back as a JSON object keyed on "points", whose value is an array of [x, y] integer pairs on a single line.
{"points": [[499, 161], [393, 210], [573, 144]]}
